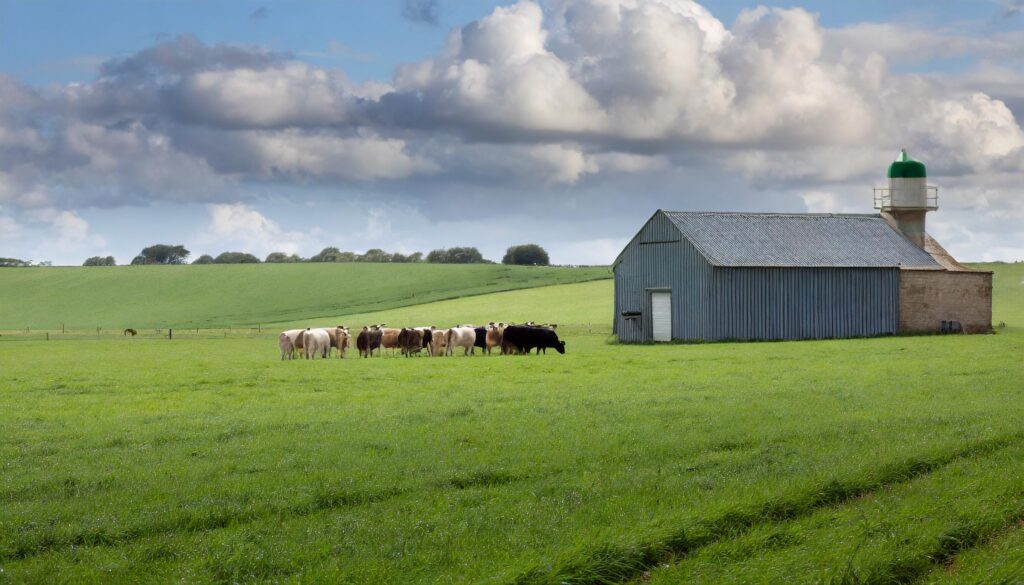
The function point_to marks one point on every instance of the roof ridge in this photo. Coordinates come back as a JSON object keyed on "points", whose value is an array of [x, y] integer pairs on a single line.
{"points": [[774, 214]]}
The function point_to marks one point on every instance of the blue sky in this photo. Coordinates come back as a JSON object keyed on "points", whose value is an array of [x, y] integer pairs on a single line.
{"points": [[416, 124]]}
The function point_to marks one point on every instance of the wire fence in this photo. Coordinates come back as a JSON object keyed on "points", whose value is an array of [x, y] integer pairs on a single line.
{"points": [[197, 333]]}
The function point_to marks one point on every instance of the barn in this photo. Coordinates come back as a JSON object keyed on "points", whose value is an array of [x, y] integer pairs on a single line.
{"points": [[709, 276]]}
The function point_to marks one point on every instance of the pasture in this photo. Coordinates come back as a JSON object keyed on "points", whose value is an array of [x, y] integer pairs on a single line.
{"points": [[882, 460]]}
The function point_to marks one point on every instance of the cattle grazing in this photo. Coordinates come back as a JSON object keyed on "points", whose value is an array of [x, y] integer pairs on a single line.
{"points": [[316, 342], [493, 336], [523, 338], [481, 339], [285, 344], [389, 338], [131, 332], [410, 341], [438, 341], [368, 341], [339, 339], [463, 337], [428, 338], [295, 335]]}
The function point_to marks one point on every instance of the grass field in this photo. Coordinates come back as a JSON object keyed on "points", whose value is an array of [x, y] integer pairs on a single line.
{"points": [[881, 460], [243, 295]]}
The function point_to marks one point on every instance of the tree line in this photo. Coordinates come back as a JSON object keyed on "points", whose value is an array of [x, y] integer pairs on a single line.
{"points": [[523, 255]]}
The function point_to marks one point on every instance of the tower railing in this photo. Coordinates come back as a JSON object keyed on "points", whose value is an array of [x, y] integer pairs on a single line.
{"points": [[884, 198]]}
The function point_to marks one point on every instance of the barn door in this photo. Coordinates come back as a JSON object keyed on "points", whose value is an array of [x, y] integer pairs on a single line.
{"points": [[661, 315]]}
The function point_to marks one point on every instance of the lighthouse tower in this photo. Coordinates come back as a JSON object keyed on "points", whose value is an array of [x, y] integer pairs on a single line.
{"points": [[908, 197]]}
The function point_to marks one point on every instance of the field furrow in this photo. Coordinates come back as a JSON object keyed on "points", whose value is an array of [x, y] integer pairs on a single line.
{"points": [[898, 534]]}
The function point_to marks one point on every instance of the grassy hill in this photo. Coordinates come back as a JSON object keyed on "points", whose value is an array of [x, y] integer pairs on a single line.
{"points": [[244, 295]]}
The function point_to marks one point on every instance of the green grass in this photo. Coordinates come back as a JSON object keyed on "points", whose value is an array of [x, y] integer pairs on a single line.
{"points": [[208, 460], [245, 295]]}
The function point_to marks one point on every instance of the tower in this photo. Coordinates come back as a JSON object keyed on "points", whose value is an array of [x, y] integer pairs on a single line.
{"points": [[908, 197]]}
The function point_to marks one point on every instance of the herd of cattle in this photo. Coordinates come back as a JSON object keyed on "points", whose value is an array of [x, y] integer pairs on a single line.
{"points": [[508, 338]]}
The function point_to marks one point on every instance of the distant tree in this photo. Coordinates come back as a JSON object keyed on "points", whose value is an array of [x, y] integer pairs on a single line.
{"points": [[332, 254], [14, 263], [204, 259], [375, 255], [526, 255], [164, 254], [456, 256], [407, 259], [139, 260], [282, 258], [236, 258], [100, 261]]}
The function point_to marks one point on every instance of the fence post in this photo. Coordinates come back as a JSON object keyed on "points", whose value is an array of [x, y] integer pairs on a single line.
{"points": [[259, 328], [47, 336], [170, 334], [62, 329]]}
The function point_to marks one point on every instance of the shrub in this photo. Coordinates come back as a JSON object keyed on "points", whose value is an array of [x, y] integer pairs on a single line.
{"points": [[236, 258], [526, 255], [100, 261]]}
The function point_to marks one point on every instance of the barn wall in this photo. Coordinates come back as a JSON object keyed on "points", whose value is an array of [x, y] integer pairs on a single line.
{"points": [[805, 303], [929, 297], [659, 258]]}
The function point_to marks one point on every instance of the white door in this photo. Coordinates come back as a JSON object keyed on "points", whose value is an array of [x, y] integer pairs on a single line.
{"points": [[661, 315]]}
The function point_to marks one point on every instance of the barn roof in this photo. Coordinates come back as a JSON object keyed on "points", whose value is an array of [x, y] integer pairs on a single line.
{"points": [[799, 240]]}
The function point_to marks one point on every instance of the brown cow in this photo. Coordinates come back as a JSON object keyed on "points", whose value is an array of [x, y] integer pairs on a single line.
{"points": [[438, 341], [389, 337], [494, 334], [368, 340], [410, 341]]}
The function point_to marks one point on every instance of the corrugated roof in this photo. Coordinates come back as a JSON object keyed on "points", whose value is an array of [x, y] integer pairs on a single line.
{"points": [[795, 240]]}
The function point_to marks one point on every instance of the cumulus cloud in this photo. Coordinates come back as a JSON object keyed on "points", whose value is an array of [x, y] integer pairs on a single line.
{"points": [[545, 99], [237, 226]]}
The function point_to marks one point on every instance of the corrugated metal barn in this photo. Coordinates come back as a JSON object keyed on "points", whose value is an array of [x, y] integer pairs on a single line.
{"points": [[717, 276]]}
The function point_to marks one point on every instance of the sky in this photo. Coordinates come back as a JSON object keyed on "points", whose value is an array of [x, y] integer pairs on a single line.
{"points": [[411, 125]]}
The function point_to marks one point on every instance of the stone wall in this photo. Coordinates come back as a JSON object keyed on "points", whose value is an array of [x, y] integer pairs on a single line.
{"points": [[929, 297]]}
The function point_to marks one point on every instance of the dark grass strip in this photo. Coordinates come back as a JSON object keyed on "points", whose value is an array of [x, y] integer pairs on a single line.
{"points": [[322, 500], [961, 536], [616, 564]]}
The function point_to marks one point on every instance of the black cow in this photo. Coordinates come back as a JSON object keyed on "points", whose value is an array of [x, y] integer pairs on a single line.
{"points": [[481, 339], [428, 336], [368, 340], [524, 338], [410, 341]]}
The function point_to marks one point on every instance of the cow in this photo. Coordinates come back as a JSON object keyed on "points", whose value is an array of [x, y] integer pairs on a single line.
{"points": [[480, 340], [523, 338], [428, 337], [339, 339], [316, 341], [438, 341], [492, 338], [389, 337], [287, 347], [463, 337], [368, 340], [410, 341], [131, 332], [295, 335]]}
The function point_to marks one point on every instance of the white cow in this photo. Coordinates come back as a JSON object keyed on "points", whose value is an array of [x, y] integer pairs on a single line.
{"points": [[316, 341], [463, 337], [295, 336], [438, 341], [287, 347]]}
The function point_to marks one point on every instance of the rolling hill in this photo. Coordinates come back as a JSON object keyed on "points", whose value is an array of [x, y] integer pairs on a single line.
{"points": [[246, 294]]}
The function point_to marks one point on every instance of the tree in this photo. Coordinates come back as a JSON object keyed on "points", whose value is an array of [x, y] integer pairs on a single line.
{"points": [[100, 261], [282, 258], [526, 255], [14, 263], [332, 254], [139, 260], [410, 259], [204, 259], [456, 256], [375, 255], [236, 258], [164, 254]]}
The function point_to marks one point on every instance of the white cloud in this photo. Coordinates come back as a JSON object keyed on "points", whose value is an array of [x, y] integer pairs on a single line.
{"points": [[238, 227]]}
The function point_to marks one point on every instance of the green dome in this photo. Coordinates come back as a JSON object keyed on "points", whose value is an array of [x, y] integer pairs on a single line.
{"points": [[907, 168]]}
